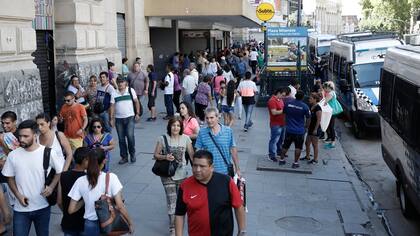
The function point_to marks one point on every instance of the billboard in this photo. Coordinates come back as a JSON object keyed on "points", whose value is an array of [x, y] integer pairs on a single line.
{"points": [[283, 47]]}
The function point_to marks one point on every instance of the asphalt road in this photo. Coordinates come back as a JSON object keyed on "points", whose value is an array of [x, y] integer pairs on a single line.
{"points": [[367, 157]]}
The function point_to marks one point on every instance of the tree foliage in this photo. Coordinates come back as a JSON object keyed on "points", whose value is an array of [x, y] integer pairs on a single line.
{"points": [[388, 15]]}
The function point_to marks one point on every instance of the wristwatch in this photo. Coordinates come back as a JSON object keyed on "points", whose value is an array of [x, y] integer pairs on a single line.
{"points": [[242, 232]]}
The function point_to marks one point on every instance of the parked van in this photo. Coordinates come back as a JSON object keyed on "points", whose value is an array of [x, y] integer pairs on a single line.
{"points": [[400, 127], [355, 65]]}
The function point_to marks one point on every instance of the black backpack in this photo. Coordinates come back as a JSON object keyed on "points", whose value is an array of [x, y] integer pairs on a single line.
{"points": [[52, 199]]}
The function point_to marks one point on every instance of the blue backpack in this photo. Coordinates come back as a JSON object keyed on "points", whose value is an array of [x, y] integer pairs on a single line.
{"points": [[241, 68]]}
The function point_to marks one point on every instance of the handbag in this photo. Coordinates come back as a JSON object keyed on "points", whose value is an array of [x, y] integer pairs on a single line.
{"points": [[231, 172], [336, 106], [165, 168], [112, 222], [52, 198]]}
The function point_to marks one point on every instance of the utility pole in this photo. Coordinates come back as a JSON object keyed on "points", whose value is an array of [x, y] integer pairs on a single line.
{"points": [[299, 24]]}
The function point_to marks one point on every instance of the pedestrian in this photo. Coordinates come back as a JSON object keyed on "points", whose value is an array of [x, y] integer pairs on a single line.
{"points": [[294, 86], [203, 97], [190, 123], [112, 74], [228, 94], [248, 89], [89, 188], [214, 66], [169, 92], [91, 92], [207, 198], [5, 213], [329, 95], [185, 62], [139, 81], [175, 61], [188, 86], [72, 224], [152, 92], [178, 143], [216, 85], [77, 89], [25, 172], [125, 71], [253, 60], [296, 111], [177, 90], [219, 140], [238, 100], [98, 138], [227, 73], [103, 100], [124, 113], [194, 73], [55, 140], [277, 124], [314, 130], [73, 116]]}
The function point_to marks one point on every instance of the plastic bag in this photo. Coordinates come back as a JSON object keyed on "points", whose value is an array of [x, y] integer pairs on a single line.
{"points": [[326, 115]]}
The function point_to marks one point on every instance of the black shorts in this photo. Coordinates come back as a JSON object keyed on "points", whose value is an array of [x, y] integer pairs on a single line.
{"points": [[297, 139], [151, 102]]}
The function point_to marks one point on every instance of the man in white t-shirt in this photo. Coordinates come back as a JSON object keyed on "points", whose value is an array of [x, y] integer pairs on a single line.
{"points": [[294, 86], [25, 172], [169, 92], [253, 57], [194, 72], [125, 110], [188, 86], [103, 95]]}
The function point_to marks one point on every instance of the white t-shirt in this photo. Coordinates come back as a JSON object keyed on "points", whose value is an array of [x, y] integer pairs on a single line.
{"points": [[82, 189], [293, 91], [123, 103], [253, 55], [101, 90], [228, 76], [27, 168], [189, 84], [194, 73], [170, 79]]}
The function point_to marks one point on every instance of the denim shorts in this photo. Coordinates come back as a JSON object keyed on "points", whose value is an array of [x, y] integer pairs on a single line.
{"points": [[227, 109]]}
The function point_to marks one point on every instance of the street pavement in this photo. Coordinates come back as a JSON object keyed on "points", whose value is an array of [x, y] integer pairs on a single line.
{"points": [[330, 201]]}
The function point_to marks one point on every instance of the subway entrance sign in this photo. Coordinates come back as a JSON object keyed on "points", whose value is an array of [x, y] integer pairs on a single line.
{"points": [[265, 11]]}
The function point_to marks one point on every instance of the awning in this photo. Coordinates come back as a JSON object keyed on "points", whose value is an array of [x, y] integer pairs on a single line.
{"points": [[236, 13]]}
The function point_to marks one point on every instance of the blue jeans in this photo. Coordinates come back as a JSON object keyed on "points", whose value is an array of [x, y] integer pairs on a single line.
{"points": [[169, 105], [22, 222], [248, 113], [91, 228], [105, 118], [276, 140], [72, 233], [187, 98], [125, 129]]}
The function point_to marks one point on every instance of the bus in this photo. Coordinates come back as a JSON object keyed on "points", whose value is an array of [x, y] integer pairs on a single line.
{"points": [[400, 127], [355, 65]]}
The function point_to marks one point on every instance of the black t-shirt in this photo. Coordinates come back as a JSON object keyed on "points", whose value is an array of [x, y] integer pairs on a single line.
{"points": [[152, 77], [313, 119], [75, 221]]}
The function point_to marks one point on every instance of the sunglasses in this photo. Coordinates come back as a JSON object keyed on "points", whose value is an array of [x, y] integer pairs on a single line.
{"points": [[68, 100], [97, 127]]}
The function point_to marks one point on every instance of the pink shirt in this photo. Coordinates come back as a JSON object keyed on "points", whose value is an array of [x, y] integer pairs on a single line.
{"points": [[190, 125], [217, 81]]}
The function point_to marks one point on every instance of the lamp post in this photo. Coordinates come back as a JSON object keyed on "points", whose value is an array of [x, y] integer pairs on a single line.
{"points": [[299, 23]]}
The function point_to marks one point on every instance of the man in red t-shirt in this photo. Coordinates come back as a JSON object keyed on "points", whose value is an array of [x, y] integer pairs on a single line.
{"points": [[208, 198], [277, 124]]}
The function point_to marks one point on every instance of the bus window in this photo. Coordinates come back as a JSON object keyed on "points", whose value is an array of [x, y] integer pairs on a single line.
{"points": [[385, 102]]}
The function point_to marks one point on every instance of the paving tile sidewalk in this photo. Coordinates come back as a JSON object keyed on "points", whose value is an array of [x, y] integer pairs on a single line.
{"points": [[330, 201]]}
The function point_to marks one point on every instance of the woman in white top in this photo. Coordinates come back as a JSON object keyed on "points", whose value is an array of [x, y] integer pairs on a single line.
{"points": [[178, 143], [56, 140], [89, 188], [227, 73]]}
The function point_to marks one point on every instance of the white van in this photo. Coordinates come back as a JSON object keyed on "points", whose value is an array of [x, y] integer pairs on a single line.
{"points": [[400, 126], [355, 65]]}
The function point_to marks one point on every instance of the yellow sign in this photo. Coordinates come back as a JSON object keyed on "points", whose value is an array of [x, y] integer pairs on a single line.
{"points": [[265, 11]]}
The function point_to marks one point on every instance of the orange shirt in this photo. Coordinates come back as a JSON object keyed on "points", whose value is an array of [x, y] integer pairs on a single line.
{"points": [[73, 119]]}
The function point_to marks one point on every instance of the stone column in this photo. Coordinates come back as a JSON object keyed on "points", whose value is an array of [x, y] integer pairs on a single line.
{"points": [[138, 36], [80, 40], [20, 83]]}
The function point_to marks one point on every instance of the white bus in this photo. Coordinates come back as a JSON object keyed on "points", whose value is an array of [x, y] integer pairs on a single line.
{"points": [[400, 122], [355, 64]]}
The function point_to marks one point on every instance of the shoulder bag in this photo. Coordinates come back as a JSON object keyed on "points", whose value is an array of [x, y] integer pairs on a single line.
{"points": [[165, 168], [134, 103], [112, 222], [229, 166], [52, 199]]}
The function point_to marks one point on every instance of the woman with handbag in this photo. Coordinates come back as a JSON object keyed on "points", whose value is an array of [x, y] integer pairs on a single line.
{"points": [[89, 188], [330, 98], [98, 138], [172, 147]]}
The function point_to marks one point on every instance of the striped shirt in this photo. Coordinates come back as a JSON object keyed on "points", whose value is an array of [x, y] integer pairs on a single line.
{"points": [[123, 104], [225, 141]]}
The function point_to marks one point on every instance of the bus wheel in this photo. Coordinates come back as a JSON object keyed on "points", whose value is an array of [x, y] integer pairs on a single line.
{"points": [[358, 132], [406, 205]]}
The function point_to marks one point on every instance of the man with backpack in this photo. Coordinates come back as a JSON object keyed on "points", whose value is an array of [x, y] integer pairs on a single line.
{"points": [[103, 100], [125, 110]]}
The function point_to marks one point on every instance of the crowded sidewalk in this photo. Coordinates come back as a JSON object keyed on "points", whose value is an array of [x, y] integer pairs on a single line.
{"points": [[330, 201]]}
